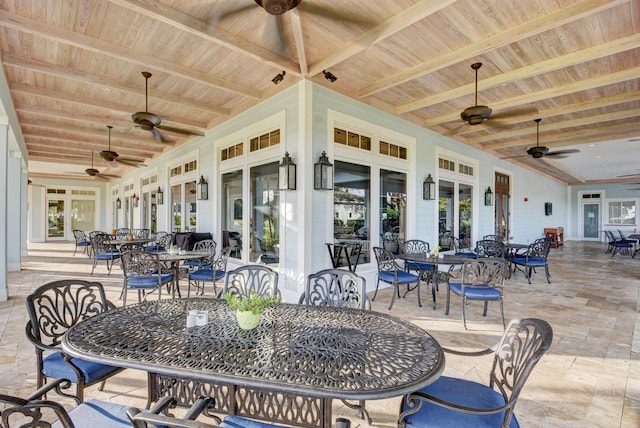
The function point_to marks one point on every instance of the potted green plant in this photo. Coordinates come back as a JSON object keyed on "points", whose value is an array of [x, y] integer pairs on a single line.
{"points": [[249, 308]]}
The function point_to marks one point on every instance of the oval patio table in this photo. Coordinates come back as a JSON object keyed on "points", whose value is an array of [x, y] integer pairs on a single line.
{"points": [[286, 370]]}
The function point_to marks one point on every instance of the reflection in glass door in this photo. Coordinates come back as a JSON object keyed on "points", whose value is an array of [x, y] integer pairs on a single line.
{"points": [[55, 219], [590, 220], [83, 215]]}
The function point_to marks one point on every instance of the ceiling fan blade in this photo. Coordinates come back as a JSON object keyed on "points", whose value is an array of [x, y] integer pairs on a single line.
{"points": [[240, 10], [107, 176], [156, 134], [457, 130], [629, 175], [513, 112], [180, 130], [562, 152], [132, 162], [282, 44]]}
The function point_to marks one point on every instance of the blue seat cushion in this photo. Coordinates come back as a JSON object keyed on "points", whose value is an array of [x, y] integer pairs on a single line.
{"points": [[233, 421], [206, 275], [403, 277], [83, 243], [154, 250], [108, 256], [477, 292], [418, 265], [532, 261], [461, 392], [98, 414], [149, 281], [55, 367], [467, 254]]}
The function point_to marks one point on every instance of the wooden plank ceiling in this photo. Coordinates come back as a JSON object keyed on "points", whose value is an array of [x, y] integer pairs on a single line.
{"points": [[74, 67]]}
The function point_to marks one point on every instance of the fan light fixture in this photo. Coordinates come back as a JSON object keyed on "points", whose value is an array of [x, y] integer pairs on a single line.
{"points": [[488, 197], [287, 173], [329, 76], [323, 173], [429, 189], [279, 77], [159, 196], [202, 189]]}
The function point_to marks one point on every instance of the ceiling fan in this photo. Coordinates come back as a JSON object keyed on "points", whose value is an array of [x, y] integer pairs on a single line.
{"points": [[114, 158], [152, 122], [278, 8], [539, 151], [92, 172], [477, 114]]}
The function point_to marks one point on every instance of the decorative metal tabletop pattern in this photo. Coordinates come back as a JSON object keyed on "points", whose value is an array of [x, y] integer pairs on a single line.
{"points": [[325, 352]]}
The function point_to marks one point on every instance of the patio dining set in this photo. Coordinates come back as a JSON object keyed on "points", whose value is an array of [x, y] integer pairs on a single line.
{"points": [[287, 371]]}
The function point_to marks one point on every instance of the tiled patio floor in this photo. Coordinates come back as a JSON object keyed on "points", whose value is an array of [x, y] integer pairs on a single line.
{"points": [[590, 377]]}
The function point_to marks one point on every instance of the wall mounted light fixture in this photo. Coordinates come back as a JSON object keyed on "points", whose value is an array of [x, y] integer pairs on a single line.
{"points": [[159, 196], [488, 197], [287, 173], [429, 189], [136, 200], [329, 76], [279, 77], [323, 173], [202, 189], [118, 203]]}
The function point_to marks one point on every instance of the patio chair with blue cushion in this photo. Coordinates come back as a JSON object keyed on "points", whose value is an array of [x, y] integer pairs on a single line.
{"points": [[103, 250], [161, 244], [455, 402], [81, 241], [390, 272], [479, 280], [53, 308], [213, 271], [36, 411], [143, 272], [619, 244], [534, 257]]}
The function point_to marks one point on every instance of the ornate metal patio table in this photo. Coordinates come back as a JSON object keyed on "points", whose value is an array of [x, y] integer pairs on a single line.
{"points": [[446, 259], [288, 369]]}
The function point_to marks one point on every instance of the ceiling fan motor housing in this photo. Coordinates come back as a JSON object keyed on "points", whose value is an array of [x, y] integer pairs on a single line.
{"points": [[146, 120], [538, 151], [476, 115], [92, 171], [277, 7]]}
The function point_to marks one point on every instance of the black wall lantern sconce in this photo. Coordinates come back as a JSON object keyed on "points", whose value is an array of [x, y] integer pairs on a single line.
{"points": [[323, 173], [136, 199], [159, 196], [287, 174], [118, 203], [429, 189], [488, 197], [202, 189]]}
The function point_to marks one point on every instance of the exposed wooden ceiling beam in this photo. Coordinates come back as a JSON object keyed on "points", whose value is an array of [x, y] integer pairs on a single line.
{"points": [[208, 32], [473, 50], [528, 71], [92, 79], [298, 37], [569, 88], [391, 26], [553, 126], [121, 53]]}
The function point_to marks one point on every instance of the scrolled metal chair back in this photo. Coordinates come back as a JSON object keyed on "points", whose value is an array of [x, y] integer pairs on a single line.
{"points": [[487, 271], [219, 264], [143, 233], [140, 264], [245, 279], [336, 288], [490, 248], [57, 306], [386, 261], [492, 238], [415, 246], [540, 248], [206, 246], [122, 232], [524, 342], [101, 243]]}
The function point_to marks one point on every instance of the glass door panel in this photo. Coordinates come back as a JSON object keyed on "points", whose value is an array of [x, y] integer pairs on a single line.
{"points": [[265, 227], [83, 215], [55, 219], [465, 210], [446, 210], [232, 212], [190, 206], [591, 220]]}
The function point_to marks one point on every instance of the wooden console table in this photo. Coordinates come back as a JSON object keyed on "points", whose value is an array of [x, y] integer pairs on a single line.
{"points": [[557, 233]]}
